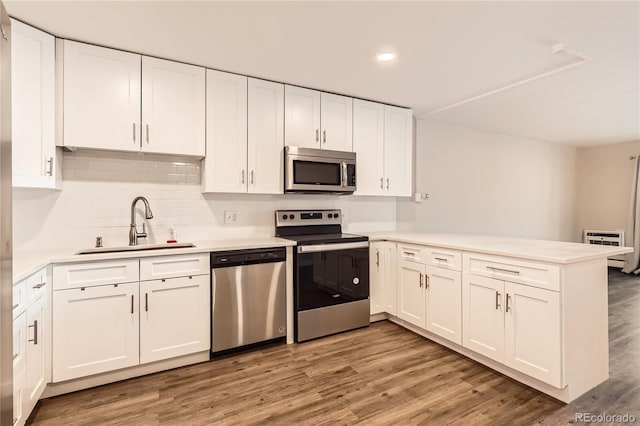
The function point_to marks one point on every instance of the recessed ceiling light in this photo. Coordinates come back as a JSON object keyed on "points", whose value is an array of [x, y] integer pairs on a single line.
{"points": [[385, 56]]}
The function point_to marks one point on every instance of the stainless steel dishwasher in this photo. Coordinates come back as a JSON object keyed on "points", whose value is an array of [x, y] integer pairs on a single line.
{"points": [[248, 297]]}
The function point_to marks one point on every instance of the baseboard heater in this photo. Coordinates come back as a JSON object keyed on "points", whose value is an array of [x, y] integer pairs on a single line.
{"points": [[606, 238]]}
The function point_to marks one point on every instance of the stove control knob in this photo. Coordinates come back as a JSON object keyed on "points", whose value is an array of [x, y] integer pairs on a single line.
{"points": [[330, 215], [291, 216], [335, 215], [284, 216]]}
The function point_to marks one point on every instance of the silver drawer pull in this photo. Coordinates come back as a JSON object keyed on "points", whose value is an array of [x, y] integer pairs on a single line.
{"points": [[38, 286], [494, 269], [441, 259], [408, 253], [16, 305], [35, 332], [15, 356]]}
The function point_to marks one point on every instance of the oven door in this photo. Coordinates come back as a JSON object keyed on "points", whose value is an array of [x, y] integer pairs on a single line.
{"points": [[331, 274], [310, 173]]}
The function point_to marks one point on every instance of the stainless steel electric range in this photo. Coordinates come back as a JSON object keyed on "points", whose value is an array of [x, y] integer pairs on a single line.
{"points": [[331, 273]]}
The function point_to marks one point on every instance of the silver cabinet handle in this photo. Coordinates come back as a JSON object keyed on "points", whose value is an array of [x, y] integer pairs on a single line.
{"points": [[324, 136], [343, 179], [421, 280], [317, 135], [242, 177], [507, 307], [497, 300], [387, 183], [147, 128], [134, 132], [15, 356], [49, 170], [377, 257], [35, 332], [494, 269], [381, 183], [15, 420], [427, 283], [132, 303], [408, 253], [146, 302], [38, 286], [16, 305], [441, 259], [251, 177]]}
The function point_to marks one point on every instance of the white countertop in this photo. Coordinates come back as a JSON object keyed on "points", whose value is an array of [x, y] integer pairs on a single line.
{"points": [[26, 263], [540, 250]]}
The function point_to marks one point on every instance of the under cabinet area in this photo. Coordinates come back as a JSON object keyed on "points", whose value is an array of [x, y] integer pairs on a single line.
{"points": [[122, 313]]}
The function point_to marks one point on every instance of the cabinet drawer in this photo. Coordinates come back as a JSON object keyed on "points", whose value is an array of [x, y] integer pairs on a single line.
{"points": [[19, 343], [153, 268], [92, 274], [413, 253], [36, 285], [444, 258], [19, 298], [536, 274]]}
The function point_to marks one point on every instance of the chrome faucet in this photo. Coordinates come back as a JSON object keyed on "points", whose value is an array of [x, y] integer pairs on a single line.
{"points": [[133, 232]]}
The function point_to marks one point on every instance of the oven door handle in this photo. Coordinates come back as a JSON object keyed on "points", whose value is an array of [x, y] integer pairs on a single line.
{"points": [[332, 247]]}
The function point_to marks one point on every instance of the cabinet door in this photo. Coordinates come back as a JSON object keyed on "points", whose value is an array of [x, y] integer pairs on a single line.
{"points": [[101, 97], [174, 317], [376, 278], [265, 137], [390, 288], [444, 303], [173, 107], [532, 332], [19, 403], [411, 295], [32, 107], [483, 316], [95, 329], [398, 147], [225, 166], [35, 354], [368, 144], [336, 117], [19, 342], [301, 117]]}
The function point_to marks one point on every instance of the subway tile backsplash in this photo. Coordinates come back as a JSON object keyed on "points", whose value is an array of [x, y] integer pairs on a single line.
{"points": [[98, 188]]}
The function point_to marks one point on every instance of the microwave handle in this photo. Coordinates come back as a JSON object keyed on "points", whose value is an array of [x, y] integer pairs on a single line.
{"points": [[343, 179]]}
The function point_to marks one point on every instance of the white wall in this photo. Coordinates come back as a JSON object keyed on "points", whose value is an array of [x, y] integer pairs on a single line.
{"points": [[605, 175], [98, 189], [487, 183]]}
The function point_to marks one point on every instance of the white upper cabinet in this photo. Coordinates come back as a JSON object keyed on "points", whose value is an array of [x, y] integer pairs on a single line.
{"points": [[368, 144], [101, 98], [302, 117], [33, 108], [173, 107], [316, 119], [398, 144], [225, 167], [122, 101], [336, 117], [383, 142], [265, 137]]}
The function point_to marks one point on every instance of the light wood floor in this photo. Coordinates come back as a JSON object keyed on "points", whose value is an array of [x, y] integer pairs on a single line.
{"points": [[383, 374]]}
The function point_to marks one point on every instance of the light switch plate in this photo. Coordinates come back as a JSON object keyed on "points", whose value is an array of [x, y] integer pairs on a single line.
{"points": [[230, 216]]}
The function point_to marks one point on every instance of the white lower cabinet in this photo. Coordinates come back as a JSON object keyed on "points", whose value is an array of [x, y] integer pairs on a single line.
{"points": [[515, 324], [174, 317], [382, 277], [411, 295], [19, 386], [444, 306], [95, 329], [36, 355]]}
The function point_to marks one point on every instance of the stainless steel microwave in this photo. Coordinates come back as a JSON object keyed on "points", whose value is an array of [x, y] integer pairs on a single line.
{"points": [[319, 170]]}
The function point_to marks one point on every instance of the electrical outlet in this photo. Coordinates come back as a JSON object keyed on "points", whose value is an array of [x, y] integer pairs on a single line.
{"points": [[230, 216]]}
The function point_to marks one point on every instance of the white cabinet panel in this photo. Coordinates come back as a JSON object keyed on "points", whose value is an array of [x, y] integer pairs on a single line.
{"points": [[483, 316], [33, 107], [532, 332], [174, 317], [157, 267], [411, 295], [225, 166], [35, 353], [19, 342], [368, 144], [101, 97], [398, 148], [19, 403], [336, 117], [173, 107], [75, 275], [376, 277], [444, 303], [265, 157], [95, 330], [302, 117], [19, 297]]}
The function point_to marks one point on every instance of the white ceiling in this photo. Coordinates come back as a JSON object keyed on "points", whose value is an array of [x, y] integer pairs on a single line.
{"points": [[447, 52]]}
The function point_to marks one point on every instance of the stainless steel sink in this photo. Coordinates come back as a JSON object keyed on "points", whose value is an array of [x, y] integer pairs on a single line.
{"points": [[143, 247]]}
